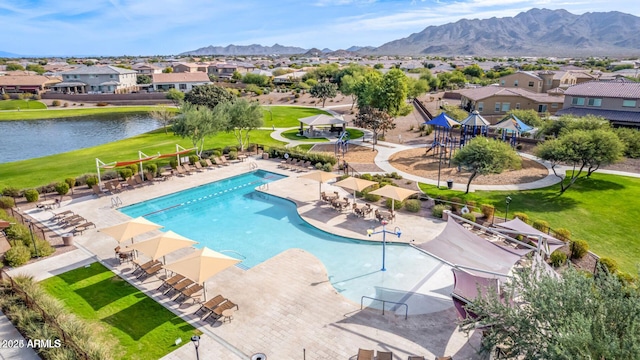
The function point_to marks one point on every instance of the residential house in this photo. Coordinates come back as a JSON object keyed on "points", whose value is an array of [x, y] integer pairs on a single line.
{"points": [[538, 82], [617, 101], [34, 84], [226, 70], [146, 69], [289, 78], [98, 79], [493, 102], [185, 67], [181, 81]]}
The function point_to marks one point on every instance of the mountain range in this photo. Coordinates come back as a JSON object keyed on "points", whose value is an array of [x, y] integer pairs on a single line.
{"points": [[537, 32]]}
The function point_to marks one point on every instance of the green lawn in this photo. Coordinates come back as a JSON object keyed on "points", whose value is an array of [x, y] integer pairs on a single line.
{"points": [[55, 168], [63, 113], [355, 133], [601, 210], [287, 116], [21, 104], [140, 327], [292, 135]]}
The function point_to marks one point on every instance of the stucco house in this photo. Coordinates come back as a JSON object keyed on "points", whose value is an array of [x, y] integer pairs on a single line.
{"points": [[98, 79], [33, 84], [617, 101], [493, 102], [538, 81], [146, 69], [181, 81]]}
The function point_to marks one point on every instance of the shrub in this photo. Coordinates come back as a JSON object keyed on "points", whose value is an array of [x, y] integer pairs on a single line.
{"points": [[7, 202], [579, 249], [456, 201], [31, 195], [541, 225], [438, 209], [233, 155], [66, 104], [125, 173], [6, 97], [102, 103], [522, 216], [193, 159], [18, 255], [371, 197], [327, 167], [62, 188], [91, 180], [173, 163], [412, 205], [71, 182], [469, 216], [134, 168], [55, 103], [43, 246], [46, 189], [562, 234], [471, 205], [487, 210], [610, 264], [397, 205], [152, 168], [558, 258], [11, 191]]}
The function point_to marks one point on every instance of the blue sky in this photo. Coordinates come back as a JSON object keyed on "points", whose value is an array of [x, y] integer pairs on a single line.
{"points": [[165, 27]]}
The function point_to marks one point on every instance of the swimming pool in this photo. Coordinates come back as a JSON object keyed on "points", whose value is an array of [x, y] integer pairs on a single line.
{"points": [[231, 216]]}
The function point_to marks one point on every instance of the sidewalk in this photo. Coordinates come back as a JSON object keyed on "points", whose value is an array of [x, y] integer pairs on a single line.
{"points": [[18, 349]]}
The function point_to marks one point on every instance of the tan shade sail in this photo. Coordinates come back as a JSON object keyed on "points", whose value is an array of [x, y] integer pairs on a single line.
{"points": [[394, 192], [129, 229], [355, 184], [201, 264], [319, 176], [161, 245]]}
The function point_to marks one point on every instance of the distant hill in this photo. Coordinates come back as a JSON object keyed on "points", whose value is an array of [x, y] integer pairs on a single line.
{"points": [[8, 54], [537, 32], [254, 49]]}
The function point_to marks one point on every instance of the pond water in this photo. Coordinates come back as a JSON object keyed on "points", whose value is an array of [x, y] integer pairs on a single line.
{"points": [[20, 140]]}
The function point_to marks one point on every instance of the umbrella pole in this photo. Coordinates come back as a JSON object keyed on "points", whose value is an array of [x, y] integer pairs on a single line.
{"points": [[204, 290]]}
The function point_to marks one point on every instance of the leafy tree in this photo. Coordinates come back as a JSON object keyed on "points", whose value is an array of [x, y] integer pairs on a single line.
{"points": [[37, 68], [175, 95], [323, 73], [144, 79], [324, 90], [14, 67], [473, 71], [348, 87], [254, 89], [375, 120], [236, 75], [390, 96], [378, 66], [571, 317], [631, 140], [167, 70], [164, 115], [240, 117], [208, 95], [529, 117], [196, 123], [581, 149], [417, 87], [484, 156], [256, 79]]}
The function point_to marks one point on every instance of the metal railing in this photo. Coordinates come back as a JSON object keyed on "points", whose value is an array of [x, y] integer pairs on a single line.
{"points": [[116, 201], [406, 311]]}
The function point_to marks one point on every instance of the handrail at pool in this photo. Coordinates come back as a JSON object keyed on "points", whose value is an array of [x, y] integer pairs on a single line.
{"points": [[406, 310], [232, 251]]}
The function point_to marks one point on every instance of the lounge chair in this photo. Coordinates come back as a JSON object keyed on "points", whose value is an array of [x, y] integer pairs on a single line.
{"points": [[150, 178], [305, 166], [138, 179], [150, 271], [384, 355], [217, 312], [178, 287], [199, 166], [147, 265], [58, 216], [222, 160], [188, 168], [171, 281], [285, 163], [83, 227], [188, 293], [210, 304], [294, 165], [210, 164], [132, 183], [416, 357], [97, 191], [365, 354]]}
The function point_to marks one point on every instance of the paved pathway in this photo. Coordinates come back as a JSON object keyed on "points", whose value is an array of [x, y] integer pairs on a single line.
{"points": [[13, 343]]}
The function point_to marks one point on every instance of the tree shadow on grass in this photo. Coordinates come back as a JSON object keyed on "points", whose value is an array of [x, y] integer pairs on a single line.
{"points": [[141, 318], [105, 292], [83, 273], [584, 184]]}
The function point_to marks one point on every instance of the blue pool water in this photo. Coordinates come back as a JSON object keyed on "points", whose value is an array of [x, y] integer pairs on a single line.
{"points": [[230, 215]]}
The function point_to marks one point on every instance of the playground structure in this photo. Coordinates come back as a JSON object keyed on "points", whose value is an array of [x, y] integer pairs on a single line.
{"points": [[472, 126], [511, 129], [444, 143], [342, 145]]}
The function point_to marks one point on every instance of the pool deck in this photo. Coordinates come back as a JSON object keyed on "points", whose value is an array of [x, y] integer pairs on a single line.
{"points": [[287, 307]]}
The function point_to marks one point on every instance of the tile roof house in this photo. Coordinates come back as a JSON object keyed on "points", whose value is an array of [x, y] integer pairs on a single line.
{"points": [[146, 69], [98, 79], [617, 101], [34, 84], [181, 81], [494, 102], [538, 81]]}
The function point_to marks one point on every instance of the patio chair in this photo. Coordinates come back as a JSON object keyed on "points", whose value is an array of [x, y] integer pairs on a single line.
{"points": [[210, 304], [378, 215], [150, 178], [83, 227], [188, 293], [97, 191], [132, 183], [171, 281], [357, 210], [123, 256], [61, 215], [285, 163], [180, 170], [178, 287], [144, 266], [217, 312], [294, 165], [199, 167], [188, 168], [223, 160], [365, 354], [210, 164], [150, 271], [384, 355], [416, 357], [305, 166]]}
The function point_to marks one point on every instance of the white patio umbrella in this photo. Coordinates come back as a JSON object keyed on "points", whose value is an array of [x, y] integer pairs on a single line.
{"points": [[201, 265], [394, 192], [355, 184], [161, 245], [319, 176], [129, 229]]}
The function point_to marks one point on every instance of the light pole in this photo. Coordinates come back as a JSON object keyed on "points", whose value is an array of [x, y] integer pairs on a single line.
{"points": [[384, 232], [196, 342], [508, 201], [32, 239]]}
